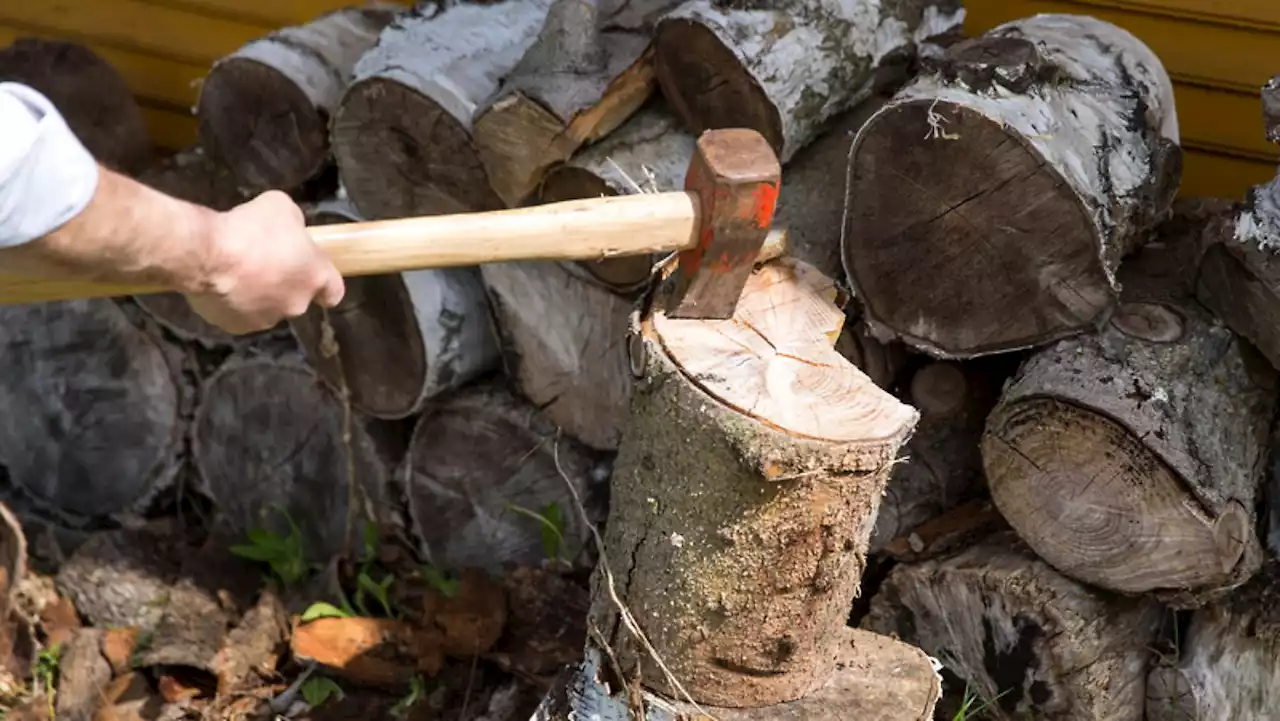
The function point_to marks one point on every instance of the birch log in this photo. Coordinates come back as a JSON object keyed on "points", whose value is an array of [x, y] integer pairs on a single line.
{"points": [[783, 69], [267, 440], [1226, 665], [576, 84], [402, 134], [402, 338], [1015, 172], [92, 423], [1031, 642], [1271, 108], [744, 493], [264, 110], [1103, 457], [88, 92]]}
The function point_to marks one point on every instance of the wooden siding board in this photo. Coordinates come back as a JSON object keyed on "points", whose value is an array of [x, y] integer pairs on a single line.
{"points": [[1263, 14], [270, 13], [1213, 117], [1209, 173]]}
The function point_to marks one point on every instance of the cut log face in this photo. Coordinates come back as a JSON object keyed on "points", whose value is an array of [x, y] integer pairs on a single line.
{"points": [[402, 338], [89, 93], [965, 202], [479, 461], [402, 132], [264, 110], [267, 438], [1031, 642], [1099, 454], [1227, 666], [876, 678], [820, 58], [92, 422], [744, 492], [574, 85]]}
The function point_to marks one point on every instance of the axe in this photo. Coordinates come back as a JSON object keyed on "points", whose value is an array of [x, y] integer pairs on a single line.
{"points": [[718, 225]]}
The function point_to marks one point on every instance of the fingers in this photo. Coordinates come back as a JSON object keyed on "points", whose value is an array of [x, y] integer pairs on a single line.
{"points": [[333, 288]]}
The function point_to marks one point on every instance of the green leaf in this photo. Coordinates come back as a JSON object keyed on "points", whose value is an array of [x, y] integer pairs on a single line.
{"points": [[448, 587], [255, 553], [371, 537], [318, 689], [320, 609], [553, 532]]}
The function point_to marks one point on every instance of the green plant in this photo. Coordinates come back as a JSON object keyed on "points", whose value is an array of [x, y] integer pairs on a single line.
{"points": [[441, 581], [320, 609], [285, 555], [380, 590], [417, 689], [551, 520], [318, 689], [45, 673], [967, 711]]}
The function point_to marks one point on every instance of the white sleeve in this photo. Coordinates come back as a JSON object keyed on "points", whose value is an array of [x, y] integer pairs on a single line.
{"points": [[46, 175]]}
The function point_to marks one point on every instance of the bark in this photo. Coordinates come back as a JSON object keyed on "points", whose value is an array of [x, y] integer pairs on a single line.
{"points": [[877, 678], [402, 338], [1100, 456], [121, 578], [267, 441], [480, 461], [574, 85], [1271, 108], [1239, 274], [744, 493], [1014, 172], [83, 676], [402, 134], [783, 69], [1032, 642], [89, 93], [264, 110], [943, 466], [92, 424], [1227, 666]]}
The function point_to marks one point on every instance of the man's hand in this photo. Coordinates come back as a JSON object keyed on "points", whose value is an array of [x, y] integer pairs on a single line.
{"points": [[261, 267]]}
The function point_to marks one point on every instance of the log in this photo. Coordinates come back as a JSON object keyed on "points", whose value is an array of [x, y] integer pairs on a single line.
{"points": [[92, 425], [882, 362], [1238, 275], [402, 132], [267, 440], [1032, 642], [1014, 172], [402, 338], [744, 492], [479, 462], [943, 466], [264, 109], [822, 57], [1099, 455], [90, 94], [876, 678], [1226, 666], [574, 85], [1271, 108]]}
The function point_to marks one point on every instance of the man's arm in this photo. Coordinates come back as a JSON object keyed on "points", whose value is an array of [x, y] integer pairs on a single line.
{"points": [[64, 216]]}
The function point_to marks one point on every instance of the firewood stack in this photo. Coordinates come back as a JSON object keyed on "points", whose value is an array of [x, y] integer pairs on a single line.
{"points": [[1024, 416]]}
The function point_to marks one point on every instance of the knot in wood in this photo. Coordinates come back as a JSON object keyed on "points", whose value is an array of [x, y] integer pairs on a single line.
{"points": [[978, 63], [1152, 322]]}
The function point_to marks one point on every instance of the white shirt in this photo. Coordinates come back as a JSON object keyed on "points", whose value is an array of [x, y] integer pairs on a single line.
{"points": [[46, 175]]}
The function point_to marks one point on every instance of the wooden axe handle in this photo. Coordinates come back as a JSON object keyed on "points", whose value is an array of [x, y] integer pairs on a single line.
{"points": [[590, 229]]}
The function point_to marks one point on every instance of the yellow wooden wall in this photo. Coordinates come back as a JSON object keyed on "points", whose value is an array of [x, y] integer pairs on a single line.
{"points": [[1219, 53]]}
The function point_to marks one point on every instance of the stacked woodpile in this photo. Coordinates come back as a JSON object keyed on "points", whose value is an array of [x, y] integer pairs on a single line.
{"points": [[1001, 394]]}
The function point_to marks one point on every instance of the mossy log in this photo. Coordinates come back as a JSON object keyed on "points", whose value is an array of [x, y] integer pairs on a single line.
{"points": [[1100, 455], [821, 57], [402, 338], [574, 85], [402, 134], [1031, 642], [744, 493], [264, 110], [1015, 171]]}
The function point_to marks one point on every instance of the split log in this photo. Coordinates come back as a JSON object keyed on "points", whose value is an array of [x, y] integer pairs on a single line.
{"points": [[402, 132], [1239, 273], [1226, 666], [267, 440], [943, 466], [876, 678], [402, 338], [1031, 642], [1014, 172], [90, 94], [574, 85], [1100, 457], [480, 461], [821, 58], [264, 110], [92, 424], [744, 493]]}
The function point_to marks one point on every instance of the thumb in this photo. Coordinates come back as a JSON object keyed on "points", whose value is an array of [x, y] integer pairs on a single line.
{"points": [[333, 290]]}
